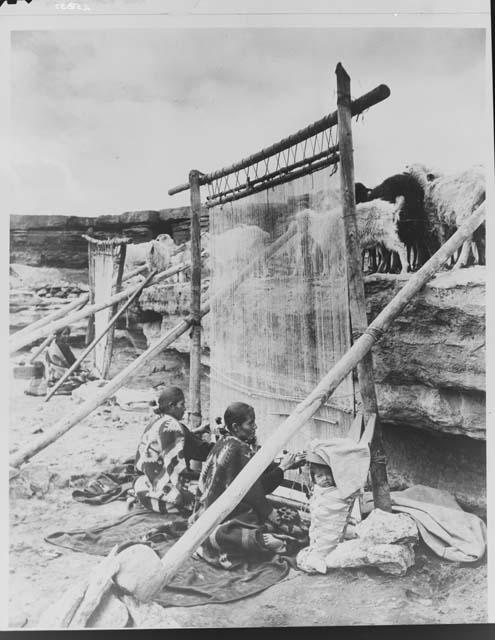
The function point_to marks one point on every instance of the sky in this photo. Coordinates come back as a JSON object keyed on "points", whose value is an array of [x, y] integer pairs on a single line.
{"points": [[106, 121]]}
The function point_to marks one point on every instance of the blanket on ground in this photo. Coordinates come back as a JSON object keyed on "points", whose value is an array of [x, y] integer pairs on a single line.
{"points": [[109, 486], [197, 582]]}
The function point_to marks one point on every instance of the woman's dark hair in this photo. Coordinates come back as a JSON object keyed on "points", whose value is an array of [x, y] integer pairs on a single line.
{"points": [[170, 395], [60, 331], [237, 412]]}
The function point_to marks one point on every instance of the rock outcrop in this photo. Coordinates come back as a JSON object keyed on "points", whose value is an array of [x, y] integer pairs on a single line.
{"points": [[56, 241]]}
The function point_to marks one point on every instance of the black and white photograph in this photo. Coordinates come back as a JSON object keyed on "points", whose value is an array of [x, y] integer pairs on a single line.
{"points": [[246, 319]]}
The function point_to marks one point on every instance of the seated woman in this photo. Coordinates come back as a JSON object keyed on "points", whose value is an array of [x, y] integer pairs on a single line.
{"points": [[163, 456], [58, 359], [254, 529]]}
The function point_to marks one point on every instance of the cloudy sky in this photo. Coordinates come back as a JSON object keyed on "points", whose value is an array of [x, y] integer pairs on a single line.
{"points": [[105, 121]]}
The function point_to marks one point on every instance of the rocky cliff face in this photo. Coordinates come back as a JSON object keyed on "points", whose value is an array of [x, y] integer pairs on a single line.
{"points": [[56, 241]]}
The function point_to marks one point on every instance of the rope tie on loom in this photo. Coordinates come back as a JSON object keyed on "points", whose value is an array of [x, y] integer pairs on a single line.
{"points": [[375, 332]]}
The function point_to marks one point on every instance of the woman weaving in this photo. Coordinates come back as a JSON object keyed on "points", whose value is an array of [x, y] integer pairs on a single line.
{"points": [[254, 529], [163, 456], [58, 359]]}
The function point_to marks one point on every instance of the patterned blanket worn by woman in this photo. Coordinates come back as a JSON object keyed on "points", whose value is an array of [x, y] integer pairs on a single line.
{"points": [[240, 537], [166, 447], [58, 359]]}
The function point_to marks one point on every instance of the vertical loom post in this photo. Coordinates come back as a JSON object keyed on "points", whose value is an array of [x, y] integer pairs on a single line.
{"points": [[195, 349], [357, 302], [90, 329]]}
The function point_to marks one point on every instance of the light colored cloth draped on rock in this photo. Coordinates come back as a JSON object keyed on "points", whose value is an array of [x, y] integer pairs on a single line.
{"points": [[449, 531]]}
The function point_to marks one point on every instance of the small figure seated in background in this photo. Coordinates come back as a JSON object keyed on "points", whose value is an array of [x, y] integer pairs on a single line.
{"points": [[59, 358], [254, 530], [166, 448]]}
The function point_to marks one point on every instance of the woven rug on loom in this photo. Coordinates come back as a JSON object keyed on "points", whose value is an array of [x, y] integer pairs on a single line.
{"points": [[197, 583]]}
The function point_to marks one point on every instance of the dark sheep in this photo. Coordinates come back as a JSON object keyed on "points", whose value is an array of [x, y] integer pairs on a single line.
{"points": [[412, 225]]}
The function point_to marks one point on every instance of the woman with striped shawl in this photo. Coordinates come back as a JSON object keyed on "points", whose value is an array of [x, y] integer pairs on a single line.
{"points": [[254, 530], [163, 457]]}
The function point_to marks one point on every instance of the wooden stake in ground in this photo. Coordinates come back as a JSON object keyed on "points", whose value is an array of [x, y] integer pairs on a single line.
{"points": [[195, 349], [357, 302]]}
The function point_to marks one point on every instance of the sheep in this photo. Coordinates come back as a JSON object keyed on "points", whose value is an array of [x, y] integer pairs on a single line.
{"points": [[159, 254], [412, 225], [135, 255], [361, 193], [376, 225], [449, 201]]}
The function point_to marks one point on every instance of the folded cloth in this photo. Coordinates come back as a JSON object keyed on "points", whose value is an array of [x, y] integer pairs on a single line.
{"points": [[449, 531], [453, 534]]}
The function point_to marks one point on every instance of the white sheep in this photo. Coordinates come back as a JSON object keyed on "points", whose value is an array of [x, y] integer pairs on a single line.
{"points": [[160, 252], [376, 226], [449, 201], [135, 255]]}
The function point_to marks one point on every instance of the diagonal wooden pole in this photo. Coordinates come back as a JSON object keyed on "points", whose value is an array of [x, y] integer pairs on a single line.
{"points": [[357, 301]]}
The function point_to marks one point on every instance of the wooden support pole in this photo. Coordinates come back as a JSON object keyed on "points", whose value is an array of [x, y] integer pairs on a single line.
{"points": [[18, 342], [40, 349], [235, 492], [357, 302], [90, 347], [54, 315], [195, 313], [72, 306]]}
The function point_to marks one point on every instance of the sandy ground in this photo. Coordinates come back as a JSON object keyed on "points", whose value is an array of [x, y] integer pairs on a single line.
{"points": [[433, 591]]}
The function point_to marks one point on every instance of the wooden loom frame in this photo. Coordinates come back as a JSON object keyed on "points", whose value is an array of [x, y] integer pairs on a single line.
{"points": [[291, 164]]}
